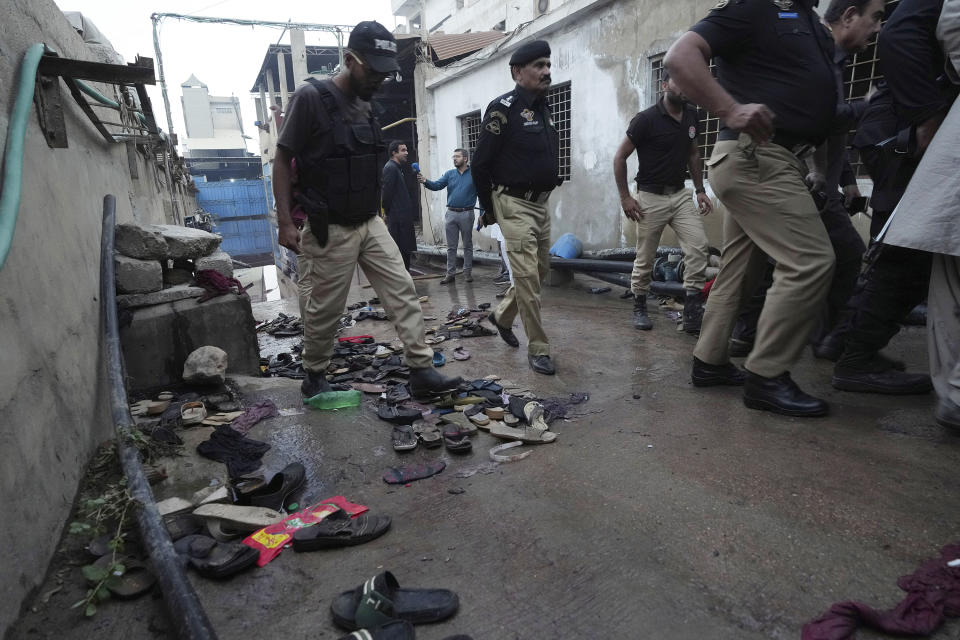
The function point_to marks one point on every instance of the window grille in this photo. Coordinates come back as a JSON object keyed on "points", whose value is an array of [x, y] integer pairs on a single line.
{"points": [[469, 130], [559, 97]]}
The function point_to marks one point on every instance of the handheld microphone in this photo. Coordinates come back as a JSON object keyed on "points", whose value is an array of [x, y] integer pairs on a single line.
{"points": [[416, 167]]}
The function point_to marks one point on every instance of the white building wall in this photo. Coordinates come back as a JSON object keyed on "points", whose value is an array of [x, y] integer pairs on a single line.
{"points": [[603, 49]]}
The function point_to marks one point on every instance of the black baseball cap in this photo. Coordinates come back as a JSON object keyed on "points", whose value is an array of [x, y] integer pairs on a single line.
{"points": [[376, 46]]}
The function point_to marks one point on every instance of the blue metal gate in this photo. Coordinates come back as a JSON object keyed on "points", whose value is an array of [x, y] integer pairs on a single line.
{"points": [[240, 207]]}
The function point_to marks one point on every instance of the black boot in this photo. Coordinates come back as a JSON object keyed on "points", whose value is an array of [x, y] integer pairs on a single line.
{"points": [[873, 373], [692, 311], [705, 374], [425, 381], [313, 384], [781, 395], [640, 319]]}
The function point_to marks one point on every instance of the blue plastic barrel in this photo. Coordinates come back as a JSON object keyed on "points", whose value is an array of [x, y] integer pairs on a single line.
{"points": [[567, 246]]}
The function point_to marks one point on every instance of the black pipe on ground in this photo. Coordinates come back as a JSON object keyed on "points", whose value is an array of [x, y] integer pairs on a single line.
{"points": [[183, 605], [656, 287], [585, 264]]}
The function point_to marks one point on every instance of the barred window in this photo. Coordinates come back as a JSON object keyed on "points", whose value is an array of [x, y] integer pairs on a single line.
{"points": [[708, 124], [559, 97], [469, 130]]}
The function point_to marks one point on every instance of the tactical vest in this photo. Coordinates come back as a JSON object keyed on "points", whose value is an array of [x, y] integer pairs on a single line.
{"points": [[348, 181]]}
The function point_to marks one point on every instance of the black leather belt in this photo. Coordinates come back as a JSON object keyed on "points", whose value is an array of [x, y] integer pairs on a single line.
{"points": [[531, 195], [660, 189], [460, 209]]}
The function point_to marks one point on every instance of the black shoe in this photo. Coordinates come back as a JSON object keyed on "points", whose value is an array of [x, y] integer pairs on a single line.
{"points": [[502, 278], [781, 395], [947, 414], [280, 488], [427, 381], [693, 312], [640, 319], [829, 348], [542, 364], [313, 384], [712, 375], [737, 348], [468, 275], [447, 279], [505, 332], [887, 381]]}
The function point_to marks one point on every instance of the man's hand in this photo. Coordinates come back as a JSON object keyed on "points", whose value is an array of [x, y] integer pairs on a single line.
{"points": [[926, 130], [288, 235], [753, 119], [631, 208], [815, 182], [850, 192], [421, 178], [703, 202]]}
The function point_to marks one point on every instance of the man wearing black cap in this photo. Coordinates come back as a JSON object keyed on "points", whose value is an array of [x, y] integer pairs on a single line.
{"points": [[776, 98], [331, 133], [515, 167]]}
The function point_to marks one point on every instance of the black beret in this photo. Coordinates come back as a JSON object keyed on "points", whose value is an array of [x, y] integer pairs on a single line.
{"points": [[530, 52]]}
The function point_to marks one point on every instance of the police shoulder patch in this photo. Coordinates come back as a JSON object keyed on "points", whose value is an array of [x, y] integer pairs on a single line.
{"points": [[499, 116], [493, 127], [508, 99], [720, 5]]}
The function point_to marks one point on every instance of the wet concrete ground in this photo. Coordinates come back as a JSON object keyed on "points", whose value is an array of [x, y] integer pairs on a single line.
{"points": [[664, 512]]}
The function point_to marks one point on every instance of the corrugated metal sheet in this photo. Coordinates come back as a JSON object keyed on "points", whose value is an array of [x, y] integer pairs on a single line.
{"points": [[451, 45], [241, 209]]}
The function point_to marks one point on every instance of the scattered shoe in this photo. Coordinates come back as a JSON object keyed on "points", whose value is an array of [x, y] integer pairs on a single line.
{"points": [[542, 364], [527, 435], [429, 434], [380, 600], [505, 332], [456, 440], [276, 493], [426, 381], [409, 473], [218, 560], [459, 353], [711, 375], [393, 630], [439, 359], [404, 438], [781, 395], [340, 530]]}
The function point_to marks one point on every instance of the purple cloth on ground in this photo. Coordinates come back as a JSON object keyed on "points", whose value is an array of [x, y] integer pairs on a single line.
{"points": [[933, 593], [558, 406], [241, 454], [253, 415]]}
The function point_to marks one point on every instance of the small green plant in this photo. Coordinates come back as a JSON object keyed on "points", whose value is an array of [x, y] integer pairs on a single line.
{"points": [[103, 578]]}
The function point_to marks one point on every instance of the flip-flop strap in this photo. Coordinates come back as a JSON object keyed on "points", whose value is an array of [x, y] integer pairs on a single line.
{"points": [[360, 634], [374, 608]]}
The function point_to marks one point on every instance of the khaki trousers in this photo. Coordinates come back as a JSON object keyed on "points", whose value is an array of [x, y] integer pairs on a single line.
{"points": [[526, 235], [943, 326], [768, 210], [325, 274], [678, 211]]}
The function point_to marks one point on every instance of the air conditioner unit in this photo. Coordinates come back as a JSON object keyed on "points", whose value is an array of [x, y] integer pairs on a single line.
{"points": [[401, 29]]}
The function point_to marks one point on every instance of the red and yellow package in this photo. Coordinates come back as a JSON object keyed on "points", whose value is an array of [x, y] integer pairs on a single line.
{"points": [[271, 540]]}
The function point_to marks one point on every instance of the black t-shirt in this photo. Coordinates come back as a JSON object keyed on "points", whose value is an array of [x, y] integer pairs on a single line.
{"points": [[774, 52], [306, 125], [663, 144]]}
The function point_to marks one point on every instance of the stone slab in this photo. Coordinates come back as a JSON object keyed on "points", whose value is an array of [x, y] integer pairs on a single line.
{"points": [[137, 276], [219, 261], [159, 338], [171, 294], [187, 242], [144, 242]]}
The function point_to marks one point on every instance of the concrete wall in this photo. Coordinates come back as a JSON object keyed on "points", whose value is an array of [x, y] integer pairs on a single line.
{"points": [[604, 49], [53, 400]]}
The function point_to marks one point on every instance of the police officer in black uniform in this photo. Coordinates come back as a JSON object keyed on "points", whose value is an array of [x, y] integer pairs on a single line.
{"points": [[331, 133], [776, 99], [515, 167]]}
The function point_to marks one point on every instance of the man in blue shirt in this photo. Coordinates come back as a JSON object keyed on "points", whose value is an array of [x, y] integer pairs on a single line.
{"points": [[461, 201]]}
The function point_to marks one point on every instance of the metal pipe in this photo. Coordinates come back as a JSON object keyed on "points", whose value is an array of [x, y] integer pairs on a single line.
{"points": [[186, 613]]}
